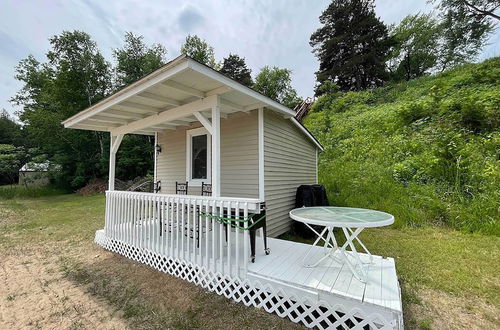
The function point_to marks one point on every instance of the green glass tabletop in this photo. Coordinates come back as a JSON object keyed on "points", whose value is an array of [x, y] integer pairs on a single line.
{"points": [[332, 216]]}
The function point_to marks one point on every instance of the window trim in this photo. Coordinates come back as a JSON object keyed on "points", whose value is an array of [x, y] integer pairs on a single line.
{"points": [[189, 161]]}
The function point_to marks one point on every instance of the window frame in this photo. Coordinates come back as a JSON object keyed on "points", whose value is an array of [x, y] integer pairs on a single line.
{"points": [[189, 154]]}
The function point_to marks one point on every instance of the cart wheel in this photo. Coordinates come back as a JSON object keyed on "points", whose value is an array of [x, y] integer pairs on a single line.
{"points": [[253, 260], [267, 252]]}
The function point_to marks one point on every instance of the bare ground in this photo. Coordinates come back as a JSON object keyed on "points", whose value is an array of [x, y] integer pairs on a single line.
{"points": [[55, 287], [36, 294]]}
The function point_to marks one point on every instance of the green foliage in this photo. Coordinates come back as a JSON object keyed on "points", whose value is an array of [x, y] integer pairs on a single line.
{"points": [[199, 50], [135, 60], [417, 38], [17, 192], [74, 77], [11, 159], [351, 46], [427, 150], [466, 26], [235, 67], [276, 83], [10, 131]]}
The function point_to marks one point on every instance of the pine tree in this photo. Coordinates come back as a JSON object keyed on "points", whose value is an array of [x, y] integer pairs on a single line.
{"points": [[235, 67], [352, 46]]}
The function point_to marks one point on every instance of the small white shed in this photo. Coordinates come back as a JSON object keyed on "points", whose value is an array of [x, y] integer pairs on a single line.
{"points": [[34, 174]]}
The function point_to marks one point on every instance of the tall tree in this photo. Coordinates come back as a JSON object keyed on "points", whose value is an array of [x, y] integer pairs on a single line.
{"points": [[135, 59], [276, 83], [11, 160], [200, 50], [74, 77], [466, 26], [10, 131], [235, 67], [352, 46], [417, 38]]}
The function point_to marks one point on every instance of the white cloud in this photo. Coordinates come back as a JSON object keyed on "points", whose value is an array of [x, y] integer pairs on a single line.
{"points": [[264, 32]]}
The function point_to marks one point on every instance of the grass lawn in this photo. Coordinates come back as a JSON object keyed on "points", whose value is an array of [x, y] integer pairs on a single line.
{"points": [[56, 277]]}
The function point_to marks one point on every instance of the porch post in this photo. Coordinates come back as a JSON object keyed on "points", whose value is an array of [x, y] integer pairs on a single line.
{"points": [[261, 153], [216, 150], [114, 144]]}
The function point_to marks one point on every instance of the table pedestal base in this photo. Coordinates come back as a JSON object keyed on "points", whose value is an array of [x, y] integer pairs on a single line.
{"points": [[347, 253]]}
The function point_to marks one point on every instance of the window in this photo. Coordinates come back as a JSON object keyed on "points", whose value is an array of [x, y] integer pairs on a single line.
{"points": [[198, 156]]}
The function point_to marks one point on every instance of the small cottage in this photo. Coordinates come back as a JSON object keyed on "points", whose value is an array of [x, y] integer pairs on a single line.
{"points": [[227, 165]]}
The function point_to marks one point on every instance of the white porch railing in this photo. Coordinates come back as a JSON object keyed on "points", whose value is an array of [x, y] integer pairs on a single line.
{"points": [[177, 226]]}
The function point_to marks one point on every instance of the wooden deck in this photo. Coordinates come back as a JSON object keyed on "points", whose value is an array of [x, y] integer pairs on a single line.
{"points": [[330, 281], [325, 296]]}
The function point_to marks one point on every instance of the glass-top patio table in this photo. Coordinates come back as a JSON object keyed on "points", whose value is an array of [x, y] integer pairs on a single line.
{"points": [[352, 221]]}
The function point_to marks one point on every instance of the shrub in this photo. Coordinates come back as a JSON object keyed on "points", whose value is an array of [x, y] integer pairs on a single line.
{"points": [[17, 191], [428, 152]]}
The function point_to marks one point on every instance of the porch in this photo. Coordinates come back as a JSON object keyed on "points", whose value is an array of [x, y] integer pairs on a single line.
{"points": [[174, 234]]}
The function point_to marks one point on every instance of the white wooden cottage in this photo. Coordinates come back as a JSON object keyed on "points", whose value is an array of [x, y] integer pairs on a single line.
{"points": [[253, 154]]}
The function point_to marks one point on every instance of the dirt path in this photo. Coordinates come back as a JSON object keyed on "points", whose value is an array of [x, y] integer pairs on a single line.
{"points": [[35, 294]]}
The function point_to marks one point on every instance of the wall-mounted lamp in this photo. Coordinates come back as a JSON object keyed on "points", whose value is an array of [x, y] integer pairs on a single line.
{"points": [[158, 148]]}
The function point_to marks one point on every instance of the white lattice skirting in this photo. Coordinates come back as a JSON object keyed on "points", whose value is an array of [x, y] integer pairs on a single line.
{"points": [[312, 314]]}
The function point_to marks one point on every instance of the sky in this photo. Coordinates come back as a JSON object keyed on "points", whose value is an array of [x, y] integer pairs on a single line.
{"points": [[274, 33]]}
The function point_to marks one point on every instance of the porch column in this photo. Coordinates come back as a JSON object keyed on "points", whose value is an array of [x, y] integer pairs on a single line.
{"points": [[216, 150], [115, 142]]}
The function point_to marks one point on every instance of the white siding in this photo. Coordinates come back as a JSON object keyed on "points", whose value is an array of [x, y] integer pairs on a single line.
{"points": [[289, 161], [239, 157]]}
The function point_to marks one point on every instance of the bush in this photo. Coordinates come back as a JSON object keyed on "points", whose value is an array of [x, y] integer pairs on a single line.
{"points": [[17, 191], [427, 150]]}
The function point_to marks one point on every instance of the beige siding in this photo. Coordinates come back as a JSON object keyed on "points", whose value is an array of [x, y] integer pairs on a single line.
{"points": [[239, 157], [289, 161]]}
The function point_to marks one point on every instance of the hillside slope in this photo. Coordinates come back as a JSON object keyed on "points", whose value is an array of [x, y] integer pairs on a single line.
{"points": [[427, 151]]}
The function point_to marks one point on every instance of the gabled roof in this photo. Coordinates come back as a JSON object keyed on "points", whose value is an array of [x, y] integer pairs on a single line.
{"points": [[35, 167], [165, 99]]}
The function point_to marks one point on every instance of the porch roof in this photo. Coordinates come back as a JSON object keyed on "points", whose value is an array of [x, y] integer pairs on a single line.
{"points": [[179, 93]]}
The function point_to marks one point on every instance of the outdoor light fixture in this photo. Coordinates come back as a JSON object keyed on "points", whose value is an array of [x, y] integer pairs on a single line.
{"points": [[158, 148]]}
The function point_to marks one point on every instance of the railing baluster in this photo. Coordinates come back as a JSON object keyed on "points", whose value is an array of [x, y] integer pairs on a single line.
{"points": [[113, 219], [120, 217], [188, 228], [228, 228], [202, 220], [245, 237], [237, 240], [167, 227], [183, 225], [220, 213], [127, 218], [212, 223], [141, 219]]}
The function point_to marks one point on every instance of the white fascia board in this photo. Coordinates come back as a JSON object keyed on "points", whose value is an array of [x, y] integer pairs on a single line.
{"points": [[306, 132], [169, 71], [211, 73], [168, 115]]}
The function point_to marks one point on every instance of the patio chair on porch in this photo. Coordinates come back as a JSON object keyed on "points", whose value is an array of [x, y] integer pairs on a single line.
{"points": [[206, 189], [181, 188]]}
